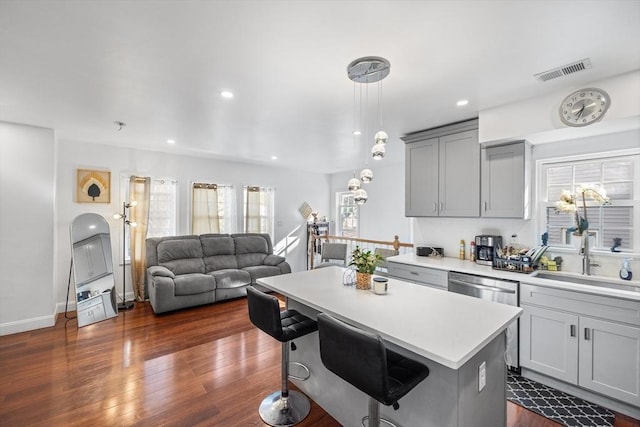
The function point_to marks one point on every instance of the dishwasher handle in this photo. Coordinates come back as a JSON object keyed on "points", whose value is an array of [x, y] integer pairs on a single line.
{"points": [[481, 287]]}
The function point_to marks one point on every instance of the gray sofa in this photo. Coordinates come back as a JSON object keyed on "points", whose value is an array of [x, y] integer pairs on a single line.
{"points": [[185, 271]]}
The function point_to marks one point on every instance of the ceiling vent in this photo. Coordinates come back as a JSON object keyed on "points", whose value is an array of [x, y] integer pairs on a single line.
{"points": [[574, 67]]}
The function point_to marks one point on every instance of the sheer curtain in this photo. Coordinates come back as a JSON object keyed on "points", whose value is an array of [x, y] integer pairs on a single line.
{"points": [[139, 190], [204, 209], [258, 216], [213, 208]]}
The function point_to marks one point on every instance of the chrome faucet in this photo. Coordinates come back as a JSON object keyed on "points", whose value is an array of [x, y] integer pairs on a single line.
{"points": [[584, 250]]}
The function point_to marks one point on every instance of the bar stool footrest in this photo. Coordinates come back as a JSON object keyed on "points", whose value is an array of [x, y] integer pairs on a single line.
{"points": [[295, 377]]}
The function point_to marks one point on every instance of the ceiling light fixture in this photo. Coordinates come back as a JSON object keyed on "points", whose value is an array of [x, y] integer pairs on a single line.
{"points": [[369, 69], [119, 124], [274, 157], [171, 141], [226, 94], [462, 102]]}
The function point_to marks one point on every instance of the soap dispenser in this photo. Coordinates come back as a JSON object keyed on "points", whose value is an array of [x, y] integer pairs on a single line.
{"points": [[625, 271]]}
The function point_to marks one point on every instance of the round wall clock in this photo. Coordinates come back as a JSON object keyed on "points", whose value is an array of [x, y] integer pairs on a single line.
{"points": [[584, 106]]}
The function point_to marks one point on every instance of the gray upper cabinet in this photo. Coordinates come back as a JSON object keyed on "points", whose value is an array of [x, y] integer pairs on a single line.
{"points": [[506, 187], [443, 171]]}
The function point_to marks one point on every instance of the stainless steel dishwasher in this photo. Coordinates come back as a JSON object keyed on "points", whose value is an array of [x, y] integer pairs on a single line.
{"points": [[496, 290]]}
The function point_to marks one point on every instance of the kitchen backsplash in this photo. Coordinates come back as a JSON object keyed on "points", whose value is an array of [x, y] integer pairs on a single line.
{"points": [[447, 233]]}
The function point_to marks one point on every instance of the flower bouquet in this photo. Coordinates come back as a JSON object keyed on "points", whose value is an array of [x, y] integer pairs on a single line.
{"points": [[568, 203]]}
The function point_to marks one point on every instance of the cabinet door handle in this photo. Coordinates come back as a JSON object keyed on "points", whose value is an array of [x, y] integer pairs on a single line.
{"points": [[435, 207], [586, 334], [572, 330], [441, 206], [415, 273], [485, 206]]}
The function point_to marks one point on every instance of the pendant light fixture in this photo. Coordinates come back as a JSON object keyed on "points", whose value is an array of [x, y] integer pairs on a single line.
{"points": [[370, 69]]}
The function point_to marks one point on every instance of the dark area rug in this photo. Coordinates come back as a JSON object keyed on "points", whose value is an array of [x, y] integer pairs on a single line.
{"points": [[556, 405]]}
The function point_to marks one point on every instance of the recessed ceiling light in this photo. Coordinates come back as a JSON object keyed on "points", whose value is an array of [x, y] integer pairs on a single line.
{"points": [[171, 141], [226, 94], [357, 132], [274, 157], [462, 102]]}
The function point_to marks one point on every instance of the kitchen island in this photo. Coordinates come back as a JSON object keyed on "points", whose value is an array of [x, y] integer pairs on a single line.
{"points": [[454, 335]]}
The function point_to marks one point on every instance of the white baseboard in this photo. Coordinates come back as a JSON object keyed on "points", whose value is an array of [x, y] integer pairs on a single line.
{"points": [[27, 324]]}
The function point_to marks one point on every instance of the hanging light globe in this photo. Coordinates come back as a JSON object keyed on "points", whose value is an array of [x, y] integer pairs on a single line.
{"points": [[381, 137], [360, 197], [378, 151], [354, 184], [366, 175]]}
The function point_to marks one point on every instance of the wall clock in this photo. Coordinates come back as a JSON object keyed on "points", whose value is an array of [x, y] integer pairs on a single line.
{"points": [[584, 106]]}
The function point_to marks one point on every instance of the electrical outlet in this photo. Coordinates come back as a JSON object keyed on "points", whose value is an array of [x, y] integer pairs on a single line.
{"points": [[482, 376]]}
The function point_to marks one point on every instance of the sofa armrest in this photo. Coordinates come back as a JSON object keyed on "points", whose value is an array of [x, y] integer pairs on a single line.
{"points": [[160, 271], [273, 260]]}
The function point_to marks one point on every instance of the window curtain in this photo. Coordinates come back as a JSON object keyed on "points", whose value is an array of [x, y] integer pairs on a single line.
{"points": [[139, 190], [205, 217], [252, 214], [259, 216]]}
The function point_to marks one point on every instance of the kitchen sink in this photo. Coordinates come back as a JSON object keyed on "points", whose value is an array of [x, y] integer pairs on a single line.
{"points": [[589, 280]]}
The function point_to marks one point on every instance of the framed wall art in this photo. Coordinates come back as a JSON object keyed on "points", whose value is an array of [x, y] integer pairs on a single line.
{"points": [[93, 186]]}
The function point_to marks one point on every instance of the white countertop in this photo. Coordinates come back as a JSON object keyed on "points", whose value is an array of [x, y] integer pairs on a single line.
{"points": [[445, 327], [466, 266]]}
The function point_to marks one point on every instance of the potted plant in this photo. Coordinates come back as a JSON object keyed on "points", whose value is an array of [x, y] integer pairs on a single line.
{"points": [[365, 263]]}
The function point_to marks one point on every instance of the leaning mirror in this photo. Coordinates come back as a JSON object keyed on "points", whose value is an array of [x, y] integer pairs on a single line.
{"points": [[93, 269]]}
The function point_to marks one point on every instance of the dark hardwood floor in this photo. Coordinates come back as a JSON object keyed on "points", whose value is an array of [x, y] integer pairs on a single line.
{"points": [[205, 366]]}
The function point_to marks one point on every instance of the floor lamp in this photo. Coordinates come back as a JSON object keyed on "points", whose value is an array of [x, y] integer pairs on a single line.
{"points": [[125, 305]]}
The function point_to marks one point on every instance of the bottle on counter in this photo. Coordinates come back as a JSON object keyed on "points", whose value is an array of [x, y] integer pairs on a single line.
{"points": [[461, 254], [472, 251], [625, 271]]}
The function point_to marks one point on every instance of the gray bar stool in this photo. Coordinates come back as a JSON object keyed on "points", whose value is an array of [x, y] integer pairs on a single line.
{"points": [[284, 407], [361, 359]]}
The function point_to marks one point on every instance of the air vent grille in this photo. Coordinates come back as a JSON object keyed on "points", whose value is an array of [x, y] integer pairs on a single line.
{"points": [[574, 67]]}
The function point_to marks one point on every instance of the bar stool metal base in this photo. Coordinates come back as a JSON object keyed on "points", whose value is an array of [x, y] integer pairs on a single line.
{"points": [[279, 411]]}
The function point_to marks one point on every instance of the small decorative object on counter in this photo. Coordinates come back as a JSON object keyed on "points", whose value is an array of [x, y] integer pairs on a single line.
{"points": [[380, 285], [545, 238], [461, 250], [625, 271], [472, 251], [365, 263]]}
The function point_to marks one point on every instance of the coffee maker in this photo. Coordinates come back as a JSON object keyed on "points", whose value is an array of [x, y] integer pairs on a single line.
{"points": [[486, 248]]}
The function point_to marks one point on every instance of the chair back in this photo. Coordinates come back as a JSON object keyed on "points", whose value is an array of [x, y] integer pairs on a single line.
{"points": [[334, 251], [264, 312], [385, 253], [356, 356]]}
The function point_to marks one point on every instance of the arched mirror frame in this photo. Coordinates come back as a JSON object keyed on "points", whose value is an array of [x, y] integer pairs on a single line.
{"points": [[92, 269]]}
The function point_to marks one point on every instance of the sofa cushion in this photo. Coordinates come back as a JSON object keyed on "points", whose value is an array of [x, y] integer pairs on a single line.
{"points": [[194, 283], [250, 250], [158, 270], [259, 271], [220, 262], [181, 256], [273, 260], [217, 244], [227, 279]]}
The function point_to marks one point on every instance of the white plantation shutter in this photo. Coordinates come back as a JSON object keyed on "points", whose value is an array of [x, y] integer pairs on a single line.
{"points": [[617, 175]]}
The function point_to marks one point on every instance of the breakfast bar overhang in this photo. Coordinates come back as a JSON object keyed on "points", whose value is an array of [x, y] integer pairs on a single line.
{"points": [[456, 336]]}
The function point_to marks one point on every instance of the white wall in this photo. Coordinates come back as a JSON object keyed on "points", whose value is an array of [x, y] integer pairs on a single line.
{"points": [[292, 188], [27, 163], [537, 119], [382, 217]]}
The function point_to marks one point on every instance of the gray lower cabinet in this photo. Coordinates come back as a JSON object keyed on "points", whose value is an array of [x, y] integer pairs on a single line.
{"points": [[442, 173], [505, 181], [610, 359], [549, 342], [586, 340], [431, 277]]}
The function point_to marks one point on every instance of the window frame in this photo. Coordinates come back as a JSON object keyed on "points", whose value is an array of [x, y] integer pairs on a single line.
{"points": [[339, 206], [541, 202], [271, 214], [228, 201]]}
